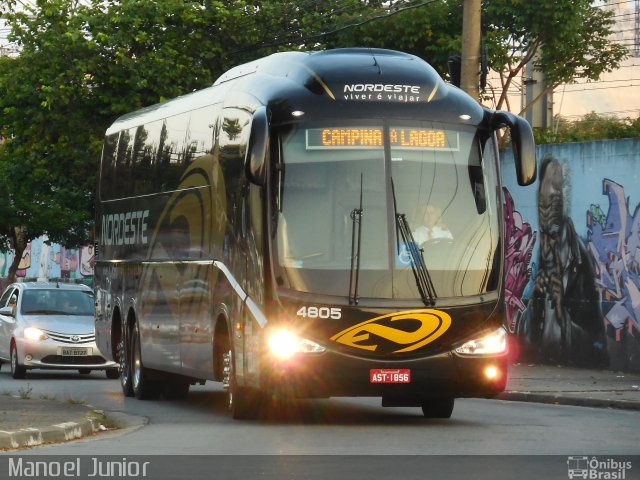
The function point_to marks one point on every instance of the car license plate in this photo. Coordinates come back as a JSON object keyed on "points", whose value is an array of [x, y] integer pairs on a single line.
{"points": [[75, 352], [390, 375]]}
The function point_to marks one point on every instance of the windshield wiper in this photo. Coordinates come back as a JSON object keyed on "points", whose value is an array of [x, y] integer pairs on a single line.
{"points": [[356, 230], [419, 267]]}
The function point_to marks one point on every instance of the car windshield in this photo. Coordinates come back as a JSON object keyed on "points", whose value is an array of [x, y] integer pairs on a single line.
{"points": [[432, 180], [57, 301]]}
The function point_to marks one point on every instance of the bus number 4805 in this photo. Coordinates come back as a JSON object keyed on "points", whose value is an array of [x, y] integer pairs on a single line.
{"points": [[320, 312]]}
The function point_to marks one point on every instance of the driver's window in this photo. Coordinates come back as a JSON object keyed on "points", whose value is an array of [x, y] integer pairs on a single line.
{"points": [[5, 297], [13, 299]]}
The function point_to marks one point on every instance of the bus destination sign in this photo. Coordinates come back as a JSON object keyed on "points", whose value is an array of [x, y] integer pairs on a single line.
{"points": [[372, 137]]}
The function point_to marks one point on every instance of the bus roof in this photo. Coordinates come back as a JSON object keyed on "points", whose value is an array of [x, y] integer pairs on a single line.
{"points": [[368, 77]]}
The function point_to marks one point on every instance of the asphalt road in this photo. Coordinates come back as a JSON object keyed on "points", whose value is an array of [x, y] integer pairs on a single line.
{"points": [[366, 436]]}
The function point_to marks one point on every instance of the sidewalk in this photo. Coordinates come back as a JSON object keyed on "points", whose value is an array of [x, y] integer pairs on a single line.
{"points": [[573, 386], [33, 422]]}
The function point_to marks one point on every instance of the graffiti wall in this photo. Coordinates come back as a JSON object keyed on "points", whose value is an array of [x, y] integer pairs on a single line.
{"points": [[573, 256], [41, 261]]}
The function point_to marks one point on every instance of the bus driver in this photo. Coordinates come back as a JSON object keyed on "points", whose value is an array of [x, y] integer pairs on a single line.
{"points": [[432, 226]]}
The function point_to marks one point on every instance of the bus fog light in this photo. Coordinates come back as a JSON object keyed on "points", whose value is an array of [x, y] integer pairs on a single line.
{"points": [[492, 344], [491, 372], [284, 344]]}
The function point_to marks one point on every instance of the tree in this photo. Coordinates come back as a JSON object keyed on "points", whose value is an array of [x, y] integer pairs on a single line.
{"points": [[591, 126], [45, 162], [570, 38], [84, 64]]}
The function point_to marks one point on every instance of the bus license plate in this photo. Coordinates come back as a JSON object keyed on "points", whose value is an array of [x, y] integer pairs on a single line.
{"points": [[75, 352], [389, 375]]}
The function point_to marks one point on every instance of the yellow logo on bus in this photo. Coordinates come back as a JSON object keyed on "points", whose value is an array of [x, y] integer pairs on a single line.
{"points": [[431, 324]]}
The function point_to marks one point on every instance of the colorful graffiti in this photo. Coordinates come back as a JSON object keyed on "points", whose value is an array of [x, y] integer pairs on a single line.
{"points": [[563, 321], [613, 242], [41, 260], [519, 243]]}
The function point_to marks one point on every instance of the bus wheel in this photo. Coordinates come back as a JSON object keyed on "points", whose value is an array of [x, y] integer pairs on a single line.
{"points": [[243, 402], [143, 387], [124, 356], [438, 407]]}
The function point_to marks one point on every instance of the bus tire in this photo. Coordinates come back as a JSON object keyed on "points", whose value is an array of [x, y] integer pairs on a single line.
{"points": [[124, 357], [438, 407], [244, 403], [143, 387]]}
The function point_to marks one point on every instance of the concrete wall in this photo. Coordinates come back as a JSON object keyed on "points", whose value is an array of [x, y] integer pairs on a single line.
{"points": [[573, 255]]}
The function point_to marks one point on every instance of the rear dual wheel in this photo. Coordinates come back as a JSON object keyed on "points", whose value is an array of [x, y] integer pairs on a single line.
{"points": [[124, 357], [142, 385]]}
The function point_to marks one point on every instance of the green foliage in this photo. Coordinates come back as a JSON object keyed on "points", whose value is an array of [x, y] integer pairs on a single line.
{"points": [[570, 39], [590, 127]]}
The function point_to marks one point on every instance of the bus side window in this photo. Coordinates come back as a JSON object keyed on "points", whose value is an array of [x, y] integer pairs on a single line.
{"points": [[142, 161], [172, 152], [202, 131], [108, 179], [234, 136], [123, 181]]}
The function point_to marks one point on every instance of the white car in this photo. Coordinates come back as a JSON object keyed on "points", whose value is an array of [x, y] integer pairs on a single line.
{"points": [[50, 325]]}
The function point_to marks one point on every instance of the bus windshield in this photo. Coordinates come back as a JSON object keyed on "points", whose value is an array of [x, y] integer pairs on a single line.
{"points": [[440, 179]]}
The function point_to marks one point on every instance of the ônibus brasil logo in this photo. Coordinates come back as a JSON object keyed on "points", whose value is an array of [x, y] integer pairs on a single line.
{"points": [[597, 469]]}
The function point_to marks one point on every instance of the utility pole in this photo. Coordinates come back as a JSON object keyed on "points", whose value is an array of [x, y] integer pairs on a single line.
{"points": [[470, 67]]}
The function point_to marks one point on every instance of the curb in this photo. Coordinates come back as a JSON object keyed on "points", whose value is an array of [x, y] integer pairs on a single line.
{"points": [[62, 432], [555, 399]]}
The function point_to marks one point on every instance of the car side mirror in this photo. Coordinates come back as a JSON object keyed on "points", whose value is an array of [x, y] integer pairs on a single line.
{"points": [[258, 147], [522, 144], [8, 311]]}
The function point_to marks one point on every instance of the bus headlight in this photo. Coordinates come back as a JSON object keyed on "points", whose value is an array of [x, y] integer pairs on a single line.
{"points": [[492, 344], [284, 344], [34, 334]]}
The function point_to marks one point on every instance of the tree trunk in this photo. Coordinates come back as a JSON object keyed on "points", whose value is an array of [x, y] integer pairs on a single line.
{"points": [[19, 243]]}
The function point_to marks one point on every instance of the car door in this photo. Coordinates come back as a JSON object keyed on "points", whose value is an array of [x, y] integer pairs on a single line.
{"points": [[6, 323]]}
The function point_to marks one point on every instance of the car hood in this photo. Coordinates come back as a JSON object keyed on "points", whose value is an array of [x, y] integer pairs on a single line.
{"points": [[70, 324]]}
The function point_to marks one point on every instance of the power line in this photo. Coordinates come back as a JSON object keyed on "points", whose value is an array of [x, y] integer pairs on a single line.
{"points": [[602, 88]]}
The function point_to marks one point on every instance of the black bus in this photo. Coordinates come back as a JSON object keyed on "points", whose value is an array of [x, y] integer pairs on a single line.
{"points": [[312, 225]]}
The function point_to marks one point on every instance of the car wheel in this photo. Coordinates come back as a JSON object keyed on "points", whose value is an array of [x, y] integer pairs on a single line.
{"points": [[143, 387], [84, 371], [438, 407], [17, 371], [112, 373], [124, 356]]}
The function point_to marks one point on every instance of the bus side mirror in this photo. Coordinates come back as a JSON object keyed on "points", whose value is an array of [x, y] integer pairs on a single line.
{"points": [[524, 148], [258, 147]]}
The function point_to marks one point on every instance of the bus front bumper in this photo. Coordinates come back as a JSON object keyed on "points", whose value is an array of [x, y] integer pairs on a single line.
{"points": [[331, 374]]}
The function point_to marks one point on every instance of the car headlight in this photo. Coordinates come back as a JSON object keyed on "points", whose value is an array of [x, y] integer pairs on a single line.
{"points": [[491, 344], [34, 334], [284, 344]]}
